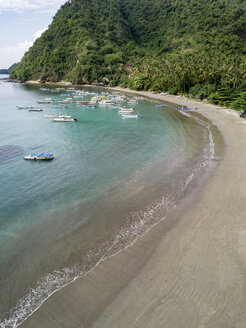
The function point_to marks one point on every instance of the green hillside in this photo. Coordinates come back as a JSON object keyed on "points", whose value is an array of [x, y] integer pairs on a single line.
{"points": [[180, 46]]}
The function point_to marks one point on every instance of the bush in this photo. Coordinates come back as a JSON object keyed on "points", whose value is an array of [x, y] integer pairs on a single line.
{"points": [[240, 102], [174, 90], [202, 91], [138, 82]]}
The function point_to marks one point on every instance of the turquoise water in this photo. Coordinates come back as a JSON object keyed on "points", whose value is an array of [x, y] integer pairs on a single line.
{"points": [[111, 179]]}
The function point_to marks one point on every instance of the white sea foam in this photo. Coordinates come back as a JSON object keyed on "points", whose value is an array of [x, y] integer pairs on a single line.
{"points": [[138, 224]]}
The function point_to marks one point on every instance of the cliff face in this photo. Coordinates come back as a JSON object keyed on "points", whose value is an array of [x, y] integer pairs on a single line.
{"points": [[159, 44]]}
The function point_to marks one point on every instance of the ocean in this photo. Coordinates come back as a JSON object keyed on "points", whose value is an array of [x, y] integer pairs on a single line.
{"points": [[112, 179]]}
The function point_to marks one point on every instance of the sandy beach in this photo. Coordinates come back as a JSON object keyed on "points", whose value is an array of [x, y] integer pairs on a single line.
{"points": [[188, 271]]}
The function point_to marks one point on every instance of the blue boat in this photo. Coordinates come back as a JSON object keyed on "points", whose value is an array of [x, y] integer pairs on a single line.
{"points": [[41, 156], [187, 108]]}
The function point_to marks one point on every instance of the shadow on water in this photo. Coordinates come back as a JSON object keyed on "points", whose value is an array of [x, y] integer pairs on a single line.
{"points": [[8, 152]]}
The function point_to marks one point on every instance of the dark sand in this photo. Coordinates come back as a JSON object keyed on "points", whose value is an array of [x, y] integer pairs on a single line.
{"points": [[188, 271]]}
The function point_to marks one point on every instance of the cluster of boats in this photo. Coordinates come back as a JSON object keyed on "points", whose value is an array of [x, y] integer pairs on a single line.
{"points": [[92, 100], [104, 99]]}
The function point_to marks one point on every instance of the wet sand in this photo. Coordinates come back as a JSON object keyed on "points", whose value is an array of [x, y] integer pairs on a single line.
{"points": [[188, 271]]}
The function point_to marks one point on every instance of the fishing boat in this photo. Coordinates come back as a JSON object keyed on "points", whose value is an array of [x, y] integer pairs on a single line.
{"points": [[93, 101], [82, 102], [64, 119], [60, 107], [187, 108], [45, 101], [58, 116], [134, 115], [36, 109], [24, 107], [106, 102], [132, 101], [126, 110], [41, 156], [89, 106]]}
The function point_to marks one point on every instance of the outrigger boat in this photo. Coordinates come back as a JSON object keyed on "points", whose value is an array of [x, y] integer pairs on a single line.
{"points": [[187, 108], [126, 111], [82, 102], [41, 157], [106, 102], [60, 107], [24, 107], [58, 116], [64, 119], [36, 109], [46, 101], [134, 115]]}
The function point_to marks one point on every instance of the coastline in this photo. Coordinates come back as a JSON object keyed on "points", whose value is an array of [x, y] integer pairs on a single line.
{"points": [[188, 273]]}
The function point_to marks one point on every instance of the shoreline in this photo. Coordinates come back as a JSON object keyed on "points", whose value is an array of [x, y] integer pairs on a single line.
{"points": [[187, 273]]}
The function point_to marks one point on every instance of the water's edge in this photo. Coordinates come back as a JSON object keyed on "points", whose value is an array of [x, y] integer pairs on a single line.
{"points": [[60, 279]]}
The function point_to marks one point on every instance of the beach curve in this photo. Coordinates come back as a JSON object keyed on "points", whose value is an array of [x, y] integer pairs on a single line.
{"points": [[191, 277]]}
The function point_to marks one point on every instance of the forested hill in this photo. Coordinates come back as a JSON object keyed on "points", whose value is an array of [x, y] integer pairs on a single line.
{"points": [[192, 46]]}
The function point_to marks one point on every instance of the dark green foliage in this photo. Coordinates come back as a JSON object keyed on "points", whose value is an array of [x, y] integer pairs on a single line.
{"points": [[197, 47], [240, 102]]}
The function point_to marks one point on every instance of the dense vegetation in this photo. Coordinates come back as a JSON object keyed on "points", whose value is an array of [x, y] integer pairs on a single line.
{"points": [[197, 47]]}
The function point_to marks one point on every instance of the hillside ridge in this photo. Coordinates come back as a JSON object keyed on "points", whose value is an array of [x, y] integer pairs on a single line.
{"points": [[179, 46]]}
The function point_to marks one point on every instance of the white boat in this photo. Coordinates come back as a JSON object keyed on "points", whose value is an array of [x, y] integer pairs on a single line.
{"points": [[46, 101], [106, 102], [42, 156], [67, 100], [24, 107], [58, 116], [135, 115], [64, 119], [93, 101], [132, 101], [126, 111]]}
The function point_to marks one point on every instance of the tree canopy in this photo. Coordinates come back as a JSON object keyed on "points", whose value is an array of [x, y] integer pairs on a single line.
{"points": [[196, 47]]}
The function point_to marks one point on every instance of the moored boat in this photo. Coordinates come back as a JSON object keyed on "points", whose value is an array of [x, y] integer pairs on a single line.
{"points": [[60, 107], [106, 102], [58, 116], [24, 107], [126, 110], [45, 101], [82, 102], [41, 156], [36, 109], [64, 119], [134, 115], [187, 108]]}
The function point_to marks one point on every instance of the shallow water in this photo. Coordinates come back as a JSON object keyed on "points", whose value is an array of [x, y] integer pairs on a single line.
{"points": [[111, 180]]}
